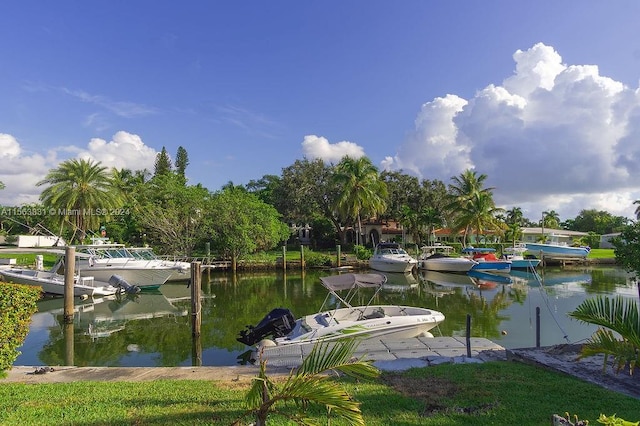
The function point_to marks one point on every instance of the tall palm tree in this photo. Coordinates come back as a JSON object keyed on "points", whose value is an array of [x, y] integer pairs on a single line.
{"points": [[361, 191], [637, 209], [550, 219], [463, 194], [515, 215], [479, 213], [80, 192], [431, 218]]}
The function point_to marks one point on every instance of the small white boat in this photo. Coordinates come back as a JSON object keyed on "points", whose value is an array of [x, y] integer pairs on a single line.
{"points": [[390, 257], [555, 249], [438, 258], [516, 254], [53, 283], [280, 327]]}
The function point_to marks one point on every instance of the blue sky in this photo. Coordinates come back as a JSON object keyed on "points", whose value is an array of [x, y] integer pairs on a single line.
{"points": [[542, 96]]}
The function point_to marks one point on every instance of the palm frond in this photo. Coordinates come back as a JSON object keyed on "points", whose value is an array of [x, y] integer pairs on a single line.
{"points": [[337, 356], [605, 342], [618, 314]]}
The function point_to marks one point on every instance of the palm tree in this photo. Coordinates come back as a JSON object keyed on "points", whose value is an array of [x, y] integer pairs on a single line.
{"points": [[550, 219], [478, 213], [515, 216], [362, 192], [615, 315], [463, 194], [432, 218], [308, 384], [409, 219], [637, 209], [80, 192]]}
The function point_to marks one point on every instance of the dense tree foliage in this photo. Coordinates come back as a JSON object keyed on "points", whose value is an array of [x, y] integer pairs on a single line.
{"points": [[172, 215], [241, 223], [598, 221], [627, 248]]}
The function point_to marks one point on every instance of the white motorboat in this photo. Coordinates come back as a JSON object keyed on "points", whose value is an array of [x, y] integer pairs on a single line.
{"points": [[105, 260], [438, 258], [181, 269], [390, 257], [53, 283], [280, 327], [516, 254]]}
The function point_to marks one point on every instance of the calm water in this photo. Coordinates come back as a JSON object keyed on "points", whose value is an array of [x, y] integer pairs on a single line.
{"points": [[154, 329]]}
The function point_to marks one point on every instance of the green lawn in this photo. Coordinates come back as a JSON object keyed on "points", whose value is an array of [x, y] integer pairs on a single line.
{"points": [[497, 393], [601, 254]]}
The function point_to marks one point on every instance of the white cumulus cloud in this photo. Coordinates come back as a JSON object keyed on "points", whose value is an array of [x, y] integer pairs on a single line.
{"points": [[20, 170], [550, 136], [314, 147]]}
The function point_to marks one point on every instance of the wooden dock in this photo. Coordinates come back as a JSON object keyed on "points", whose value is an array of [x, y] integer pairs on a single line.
{"points": [[427, 349]]}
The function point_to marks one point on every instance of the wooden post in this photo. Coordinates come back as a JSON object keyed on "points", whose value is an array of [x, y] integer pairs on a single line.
{"points": [[196, 303], [537, 326], [284, 258], [469, 335], [338, 255], [302, 256], [69, 272]]}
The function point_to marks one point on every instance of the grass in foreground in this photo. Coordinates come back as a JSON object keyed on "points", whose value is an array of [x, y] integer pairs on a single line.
{"points": [[498, 393]]}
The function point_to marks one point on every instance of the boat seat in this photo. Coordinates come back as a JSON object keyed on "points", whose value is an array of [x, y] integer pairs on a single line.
{"points": [[322, 320]]}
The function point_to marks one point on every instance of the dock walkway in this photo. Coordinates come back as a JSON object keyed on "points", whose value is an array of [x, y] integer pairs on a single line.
{"points": [[422, 351]]}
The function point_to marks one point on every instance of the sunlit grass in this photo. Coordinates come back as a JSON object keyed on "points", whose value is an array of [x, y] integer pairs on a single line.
{"points": [[499, 393]]}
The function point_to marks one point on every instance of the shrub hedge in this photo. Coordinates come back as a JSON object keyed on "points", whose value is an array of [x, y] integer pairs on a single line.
{"points": [[17, 305]]}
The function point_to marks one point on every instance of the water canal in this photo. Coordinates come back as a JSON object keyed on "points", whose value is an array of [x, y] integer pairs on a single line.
{"points": [[154, 328]]}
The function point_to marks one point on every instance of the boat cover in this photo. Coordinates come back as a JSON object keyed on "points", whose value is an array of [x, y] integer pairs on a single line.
{"points": [[350, 281]]}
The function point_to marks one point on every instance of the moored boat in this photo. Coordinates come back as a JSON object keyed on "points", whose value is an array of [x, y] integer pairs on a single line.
{"points": [[554, 249], [438, 258], [390, 257], [519, 259], [53, 283], [280, 327], [487, 260]]}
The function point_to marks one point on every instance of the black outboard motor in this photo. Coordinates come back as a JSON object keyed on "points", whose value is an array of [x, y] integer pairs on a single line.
{"points": [[278, 323], [119, 282]]}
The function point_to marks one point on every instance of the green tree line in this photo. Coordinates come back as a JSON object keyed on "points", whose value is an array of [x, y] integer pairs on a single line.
{"points": [[163, 209]]}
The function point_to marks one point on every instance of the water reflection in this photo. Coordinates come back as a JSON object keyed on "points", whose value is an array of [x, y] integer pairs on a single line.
{"points": [[154, 329]]}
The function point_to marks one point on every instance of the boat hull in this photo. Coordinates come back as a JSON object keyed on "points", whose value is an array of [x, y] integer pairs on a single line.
{"points": [[143, 278], [374, 321], [393, 265], [524, 263], [54, 283], [495, 266], [448, 264], [553, 251]]}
